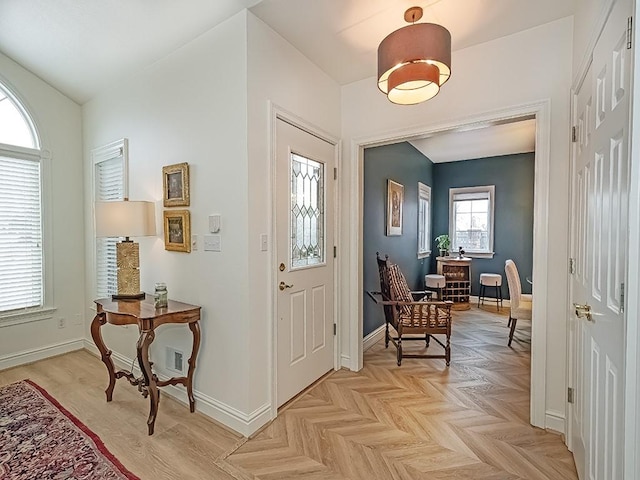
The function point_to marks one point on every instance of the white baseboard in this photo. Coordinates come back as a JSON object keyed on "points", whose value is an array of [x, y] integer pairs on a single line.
{"points": [[373, 338], [345, 361], [243, 423], [33, 355], [473, 299], [555, 421]]}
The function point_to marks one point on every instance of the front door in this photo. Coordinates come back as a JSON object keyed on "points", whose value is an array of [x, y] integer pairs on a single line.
{"points": [[599, 212], [304, 236]]}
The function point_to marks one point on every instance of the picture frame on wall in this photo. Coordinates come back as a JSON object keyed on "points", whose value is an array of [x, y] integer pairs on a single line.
{"points": [[177, 230], [395, 201], [175, 181]]}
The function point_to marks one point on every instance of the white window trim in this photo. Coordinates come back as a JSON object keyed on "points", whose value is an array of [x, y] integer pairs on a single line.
{"points": [[491, 190], [101, 154], [424, 191], [41, 154]]}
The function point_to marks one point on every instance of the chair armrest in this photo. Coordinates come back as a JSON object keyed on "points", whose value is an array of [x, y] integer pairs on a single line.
{"points": [[374, 295], [422, 294]]}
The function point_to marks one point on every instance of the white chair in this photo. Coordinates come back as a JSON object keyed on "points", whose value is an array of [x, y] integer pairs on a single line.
{"points": [[520, 302]]}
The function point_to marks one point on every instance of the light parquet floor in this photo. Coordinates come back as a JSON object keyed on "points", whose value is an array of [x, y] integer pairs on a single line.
{"points": [[418, 421]]}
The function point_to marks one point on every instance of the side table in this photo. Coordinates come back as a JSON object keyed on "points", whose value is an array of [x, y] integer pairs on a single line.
{"points": [[143, 314]]}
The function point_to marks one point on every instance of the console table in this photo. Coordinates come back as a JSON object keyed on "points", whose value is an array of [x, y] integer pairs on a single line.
{"points": [[143, 314], [457, 274]]}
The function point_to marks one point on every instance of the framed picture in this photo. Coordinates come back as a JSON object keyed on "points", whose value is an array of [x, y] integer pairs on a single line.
{"points": [[395, 199], [177, 230], [175, 179]]}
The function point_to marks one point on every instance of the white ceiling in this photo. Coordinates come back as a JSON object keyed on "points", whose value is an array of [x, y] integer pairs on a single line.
{"points": [[342, 36], [482, 142], [83, 46]]}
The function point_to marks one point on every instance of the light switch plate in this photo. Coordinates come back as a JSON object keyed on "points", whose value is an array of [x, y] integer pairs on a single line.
{"points": [[212, 243], [214, 223], [264, 242]]}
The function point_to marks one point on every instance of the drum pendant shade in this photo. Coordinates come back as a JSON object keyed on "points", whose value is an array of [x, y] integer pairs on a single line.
{"points": [[413, 83], [403, 54]]}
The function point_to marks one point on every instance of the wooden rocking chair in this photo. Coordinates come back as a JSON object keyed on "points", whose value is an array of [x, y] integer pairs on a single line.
{"points": [[411, 313]]}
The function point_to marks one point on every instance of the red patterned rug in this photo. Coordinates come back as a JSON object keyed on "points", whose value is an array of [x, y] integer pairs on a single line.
{"points": [[40, 439]]}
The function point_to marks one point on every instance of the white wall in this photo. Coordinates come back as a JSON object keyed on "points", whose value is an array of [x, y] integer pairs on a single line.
{"points": [[190, 106], [280, 74], [588, 13], [525, 67], [208, 104], [58, 120]]}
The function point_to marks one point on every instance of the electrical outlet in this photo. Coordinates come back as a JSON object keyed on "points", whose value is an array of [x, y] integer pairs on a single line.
{"points": [[62, 322], [174, 360]]}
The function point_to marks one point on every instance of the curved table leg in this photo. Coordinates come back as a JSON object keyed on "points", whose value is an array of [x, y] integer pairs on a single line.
{"points": [[145, 340], [97, 322], [195, 329]]}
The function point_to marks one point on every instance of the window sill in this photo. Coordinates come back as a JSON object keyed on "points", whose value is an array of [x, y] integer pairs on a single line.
{"points": [[423, 255], [26, 316], [479, 254]]}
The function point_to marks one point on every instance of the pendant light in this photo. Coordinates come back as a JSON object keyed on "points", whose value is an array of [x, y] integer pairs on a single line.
{"points": [[414, 61]]}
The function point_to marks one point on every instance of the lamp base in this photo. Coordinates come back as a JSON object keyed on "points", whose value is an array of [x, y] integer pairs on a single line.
{"points": [[134, 296]]}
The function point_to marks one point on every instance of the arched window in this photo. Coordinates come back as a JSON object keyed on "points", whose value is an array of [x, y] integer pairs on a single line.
{"points": [[16, 127], [21, 252]]}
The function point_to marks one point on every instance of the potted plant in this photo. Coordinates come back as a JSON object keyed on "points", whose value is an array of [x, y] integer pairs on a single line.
{"points": [[444, 243]]}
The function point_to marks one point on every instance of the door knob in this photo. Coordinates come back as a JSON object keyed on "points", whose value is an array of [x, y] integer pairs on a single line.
{"points": [[283, 285], [583, 311]]}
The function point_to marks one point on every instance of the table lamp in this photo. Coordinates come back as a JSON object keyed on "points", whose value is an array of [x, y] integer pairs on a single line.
{"points": [[124, 218]]}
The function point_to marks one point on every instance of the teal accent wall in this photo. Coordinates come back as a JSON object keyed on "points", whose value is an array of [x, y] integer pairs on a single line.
{"points": [[513, 177], [403, 164]]}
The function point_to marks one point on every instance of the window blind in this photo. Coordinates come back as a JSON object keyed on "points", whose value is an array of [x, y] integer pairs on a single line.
{"points": [[109, 185], [21, 272]]}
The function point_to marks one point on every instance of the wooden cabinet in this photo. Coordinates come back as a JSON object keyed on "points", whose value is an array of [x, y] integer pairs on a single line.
{"points": [[457, 274]]}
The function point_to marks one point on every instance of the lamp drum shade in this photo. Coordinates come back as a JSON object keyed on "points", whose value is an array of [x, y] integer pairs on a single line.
{"points": [[125, 219], [421, 42], [413, 83]]}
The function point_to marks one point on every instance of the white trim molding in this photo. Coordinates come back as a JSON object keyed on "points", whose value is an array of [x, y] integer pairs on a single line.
{"points": [[35, 354], [541, 110], [631, 445], [459, 194], [555, 421], [27, 315], [241, 422], [373, 338]]}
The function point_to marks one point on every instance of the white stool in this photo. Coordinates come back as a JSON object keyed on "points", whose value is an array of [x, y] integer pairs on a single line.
{"points": [[491, 280], [435, 282]]}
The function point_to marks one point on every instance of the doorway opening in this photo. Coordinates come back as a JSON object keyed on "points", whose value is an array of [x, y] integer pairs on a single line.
{"points": [[539, 111]]}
